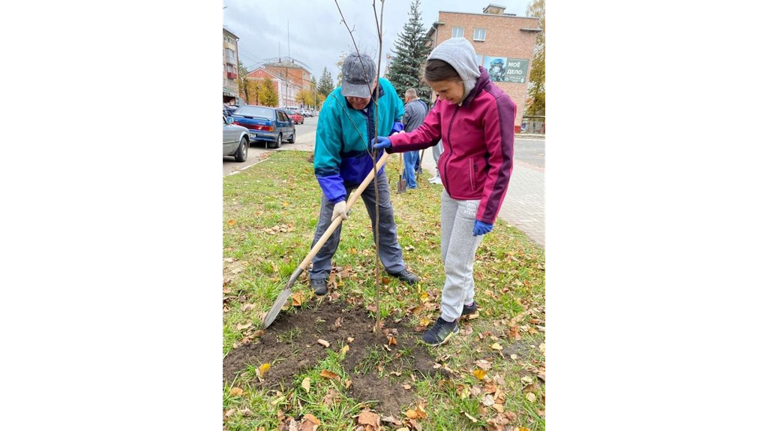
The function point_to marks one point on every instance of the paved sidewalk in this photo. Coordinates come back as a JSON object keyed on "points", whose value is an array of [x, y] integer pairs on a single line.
{"points": [[524, 203]]}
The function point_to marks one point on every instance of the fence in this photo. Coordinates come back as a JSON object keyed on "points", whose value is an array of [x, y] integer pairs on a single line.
{"points": [[532, 125]]}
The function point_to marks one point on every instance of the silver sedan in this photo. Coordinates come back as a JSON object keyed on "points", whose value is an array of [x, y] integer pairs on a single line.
{"points": [[236, 141]]}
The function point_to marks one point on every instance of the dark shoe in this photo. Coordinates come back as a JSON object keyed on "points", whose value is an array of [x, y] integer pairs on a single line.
{"points": [[320, 286], [469, 310], [406, 276], [440, 333]]}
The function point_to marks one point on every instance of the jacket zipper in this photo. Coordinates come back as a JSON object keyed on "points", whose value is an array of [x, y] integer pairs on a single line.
{"points": [[450, 150]]}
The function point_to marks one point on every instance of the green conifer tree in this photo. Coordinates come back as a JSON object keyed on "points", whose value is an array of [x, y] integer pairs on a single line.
{"points": [[411, 50]]}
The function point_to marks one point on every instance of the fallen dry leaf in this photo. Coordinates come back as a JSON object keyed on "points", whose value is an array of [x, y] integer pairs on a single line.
{"points": [[310, 417], [229, 413], [331, 397], [305, 384], [496, 346], [323, 342], [463, 392], [531, 397], [529, 388], [297, 298], [368, 418], [413, 424], [541, 347], [263, 369], [392, 341], [329, 375], [406, 386], [480, 374], [236, 392], [421, 412], [351, 339], [498, 407], [344, 350], [412, 414], [245, 326], [470, 417], [391, 420], [306, 426], [231, 222], [482, 363]]}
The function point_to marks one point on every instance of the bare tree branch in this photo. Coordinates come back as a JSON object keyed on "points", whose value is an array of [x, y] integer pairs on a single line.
{"points": [[372, 153]]}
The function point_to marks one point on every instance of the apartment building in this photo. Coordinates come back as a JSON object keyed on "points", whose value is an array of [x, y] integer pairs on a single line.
{"points": [[293, 77], [230, 57]]}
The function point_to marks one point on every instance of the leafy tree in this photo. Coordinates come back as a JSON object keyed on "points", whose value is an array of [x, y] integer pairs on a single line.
{"points": [[536, 87], [268, 95], [411, 51], [253, 91], [305, 97], [241, 81], [325, 86], [339, 64]]}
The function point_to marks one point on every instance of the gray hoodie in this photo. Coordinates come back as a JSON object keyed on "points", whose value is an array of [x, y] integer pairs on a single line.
{"points": [[460, 54]]}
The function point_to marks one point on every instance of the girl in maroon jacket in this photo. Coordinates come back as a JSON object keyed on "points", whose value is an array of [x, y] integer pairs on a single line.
{"points": [[476, 121]]}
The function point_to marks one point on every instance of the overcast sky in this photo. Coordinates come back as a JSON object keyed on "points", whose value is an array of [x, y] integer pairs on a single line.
{"points": [[317, 35]]}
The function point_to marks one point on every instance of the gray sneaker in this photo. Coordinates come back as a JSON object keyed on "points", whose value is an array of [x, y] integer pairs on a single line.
{"points": [[469, 309], [440, 333], [406, 276], [320, 286]]}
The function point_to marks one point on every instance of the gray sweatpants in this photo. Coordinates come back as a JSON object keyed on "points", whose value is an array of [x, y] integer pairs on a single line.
{"points": [[389, 248], [458, 251]]}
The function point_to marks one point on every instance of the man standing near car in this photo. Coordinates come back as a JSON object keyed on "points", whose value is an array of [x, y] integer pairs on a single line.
{"points": [[345, 127]]}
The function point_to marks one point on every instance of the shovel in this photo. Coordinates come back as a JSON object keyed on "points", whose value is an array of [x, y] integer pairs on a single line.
{"points": [[401, 182], [278, 304], [418, 168]]}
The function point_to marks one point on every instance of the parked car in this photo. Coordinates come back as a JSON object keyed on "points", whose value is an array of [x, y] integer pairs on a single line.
{"points": [[266, 124], [295, 116], [305, 113], [236, 140]]}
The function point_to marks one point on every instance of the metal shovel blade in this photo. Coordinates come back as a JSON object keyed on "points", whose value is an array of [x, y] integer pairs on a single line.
{"points": [[275, 310], [401, 185]]}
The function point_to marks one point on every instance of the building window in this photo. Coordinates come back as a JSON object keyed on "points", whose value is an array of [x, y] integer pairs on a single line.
{"points": [[479, 34], [457, 32]]}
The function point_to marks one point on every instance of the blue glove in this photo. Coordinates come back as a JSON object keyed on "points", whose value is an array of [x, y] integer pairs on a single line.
{"points": [[481, 228], [381, 142], [397, 127]]}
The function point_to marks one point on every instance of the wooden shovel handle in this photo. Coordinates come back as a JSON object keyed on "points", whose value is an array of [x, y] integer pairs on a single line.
{"points": [[335, 223]]}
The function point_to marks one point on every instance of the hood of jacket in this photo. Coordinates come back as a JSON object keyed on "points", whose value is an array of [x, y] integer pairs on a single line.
{"points": [[460, 54]]}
